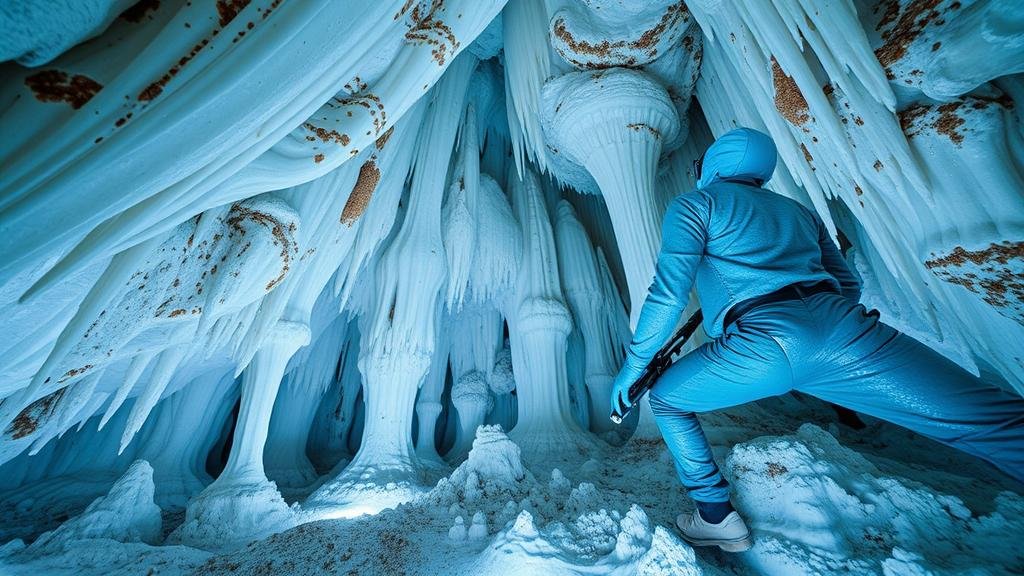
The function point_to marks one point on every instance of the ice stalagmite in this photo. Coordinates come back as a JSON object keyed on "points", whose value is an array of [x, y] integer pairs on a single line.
{"points": [[428, 405]]}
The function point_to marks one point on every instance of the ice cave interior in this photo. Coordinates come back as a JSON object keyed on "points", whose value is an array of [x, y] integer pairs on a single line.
{"points": [[342, 286]]}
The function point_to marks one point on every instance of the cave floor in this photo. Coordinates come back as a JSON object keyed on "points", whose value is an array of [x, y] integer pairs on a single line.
{"points": [[820, 497]]}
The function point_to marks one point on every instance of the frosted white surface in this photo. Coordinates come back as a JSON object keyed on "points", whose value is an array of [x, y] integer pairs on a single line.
{"points": [[324, 286]]}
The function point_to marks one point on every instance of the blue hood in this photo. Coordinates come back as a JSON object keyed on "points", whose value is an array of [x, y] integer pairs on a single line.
{"points": [[742, 154]]}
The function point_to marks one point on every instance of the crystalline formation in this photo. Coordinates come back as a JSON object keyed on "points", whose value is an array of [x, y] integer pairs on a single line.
{"points": [[294, 287]]}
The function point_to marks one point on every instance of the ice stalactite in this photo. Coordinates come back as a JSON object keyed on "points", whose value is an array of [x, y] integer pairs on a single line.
{"points": [[583, 290], [191, 63], [483, 244], [396, 353], [432, 34], [526, 69], [211, 266], [539, 324]]}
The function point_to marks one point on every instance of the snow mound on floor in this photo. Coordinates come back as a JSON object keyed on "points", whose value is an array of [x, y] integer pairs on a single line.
{"points": [[228, 515], [494, 462], [126, 514], [816, 506]]}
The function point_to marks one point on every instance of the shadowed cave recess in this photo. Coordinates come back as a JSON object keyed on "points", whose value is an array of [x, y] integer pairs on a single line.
{"points": [[342, 287]]}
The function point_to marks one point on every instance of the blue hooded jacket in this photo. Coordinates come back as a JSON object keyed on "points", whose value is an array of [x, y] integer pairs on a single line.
{"points": [[737, 241]]}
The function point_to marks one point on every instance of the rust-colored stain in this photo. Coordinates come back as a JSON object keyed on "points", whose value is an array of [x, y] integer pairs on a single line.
{"points": [[405, 8], [74, 372], [383, 139], [987, 272], [789, 101], [807, 153], [277, 228], [138, 11], [359, 198], [327, 135], [318, 158], [427, 29], [227, 10], [878, 165], [367, 100], [176, 313], [640, 126], [646, 42], [775, 469], [28, 420], [948, 121], [907, 25], [58, 86], [156, 88]]}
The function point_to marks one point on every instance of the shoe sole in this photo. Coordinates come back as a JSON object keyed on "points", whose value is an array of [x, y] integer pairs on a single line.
{"points": [[736, 545]]}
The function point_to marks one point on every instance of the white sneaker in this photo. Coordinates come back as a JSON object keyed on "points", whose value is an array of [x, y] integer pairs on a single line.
{"points": [[731, 534]]}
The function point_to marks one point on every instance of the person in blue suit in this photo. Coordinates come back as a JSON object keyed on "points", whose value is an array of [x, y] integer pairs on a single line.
{"points": [[782, 308]]}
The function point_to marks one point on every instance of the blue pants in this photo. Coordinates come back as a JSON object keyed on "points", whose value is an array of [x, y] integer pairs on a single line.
{"points": [[828, 347]]}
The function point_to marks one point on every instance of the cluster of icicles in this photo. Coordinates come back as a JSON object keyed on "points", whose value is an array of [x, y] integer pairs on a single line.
{"points": [[367, 223]]}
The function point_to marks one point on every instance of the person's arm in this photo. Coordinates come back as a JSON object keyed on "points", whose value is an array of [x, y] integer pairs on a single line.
{"points": [[683, 237], [835, 264]]}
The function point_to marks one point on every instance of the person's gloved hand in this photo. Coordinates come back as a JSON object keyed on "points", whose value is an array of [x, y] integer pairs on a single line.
{"points": [[620, 388]]}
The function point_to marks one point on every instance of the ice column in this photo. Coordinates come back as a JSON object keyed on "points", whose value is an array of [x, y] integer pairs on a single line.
{"points": [[242, 504], [583, 288], [539, 324], [397, 351]]}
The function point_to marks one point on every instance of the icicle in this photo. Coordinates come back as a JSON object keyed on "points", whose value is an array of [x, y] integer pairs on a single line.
{"points": [[163, 370], [526, 68], [135, 370]]}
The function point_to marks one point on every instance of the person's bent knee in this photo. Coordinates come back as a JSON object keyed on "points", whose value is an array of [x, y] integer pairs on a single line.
{"points": [[660, 406]]}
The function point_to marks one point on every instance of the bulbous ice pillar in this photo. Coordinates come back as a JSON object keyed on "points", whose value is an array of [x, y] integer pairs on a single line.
{"points": [[583, 288], [478, 330], [472, 400], [539, 324], [614, 123], [242, 504]]}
